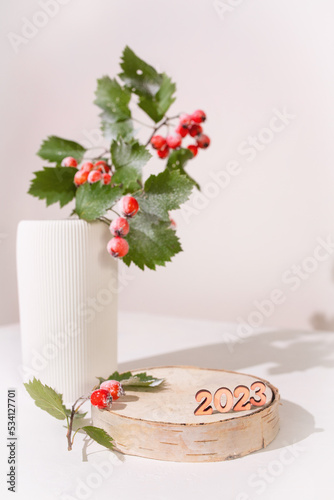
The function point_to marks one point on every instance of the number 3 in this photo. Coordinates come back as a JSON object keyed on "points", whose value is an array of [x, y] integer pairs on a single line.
{"points": [[258, 388]]}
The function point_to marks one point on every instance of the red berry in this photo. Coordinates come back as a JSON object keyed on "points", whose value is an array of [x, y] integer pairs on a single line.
{"points": [[118, 247], [114, 387], [193, 149], [101, 398], [94, 176], [106, 178], [119, 227], [80, 177], [185, 120], [195, 129], [102, 166], [174, 141], [203, 141], [158, 142], [198, 116], [87, 166], [172, 223], [181, 131], [164, 152], [69, 161], [129, 206]]}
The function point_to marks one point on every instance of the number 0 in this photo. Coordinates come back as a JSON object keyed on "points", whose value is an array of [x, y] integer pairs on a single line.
{"points": [[223, 391]]}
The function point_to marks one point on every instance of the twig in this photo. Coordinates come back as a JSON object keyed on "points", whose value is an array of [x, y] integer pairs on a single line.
{"points": [[70, 423], [142, 123], [165, 122]]}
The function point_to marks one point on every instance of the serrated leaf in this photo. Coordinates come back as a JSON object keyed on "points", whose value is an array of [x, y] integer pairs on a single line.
{"points": [[164, 192], [54, 184], [128, 159], [151, 241], [157, 106], [177, 161], [113, 130], [99, 435], [47, 398], [139, 76], [155, 90], [93, 200], [55, 149], [134, 380], [113, 99]]}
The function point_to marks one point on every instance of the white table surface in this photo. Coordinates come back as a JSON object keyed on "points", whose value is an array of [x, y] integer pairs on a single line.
{"points": [[297, 465]]}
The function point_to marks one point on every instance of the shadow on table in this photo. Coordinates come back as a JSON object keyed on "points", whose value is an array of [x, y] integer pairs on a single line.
{"points": [[286, 351], [296, 424]]}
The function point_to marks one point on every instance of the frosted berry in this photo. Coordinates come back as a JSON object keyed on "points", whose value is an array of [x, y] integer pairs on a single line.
{"points": [[119, 227], [164, 152], [158, 142], [203, 141], [80, 177], [69, 161], [185, 120], [114, 387], [87, 166], [181, 131], [193, 149], [174, 141], [172, 223], [106, 178], [198, 116], [195, 129], [94, 176], [102, 166], [118, 247], [101, 398], [129, 206]]}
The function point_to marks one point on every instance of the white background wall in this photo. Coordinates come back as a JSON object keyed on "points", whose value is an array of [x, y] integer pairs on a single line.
{"points": [[238, 64]]}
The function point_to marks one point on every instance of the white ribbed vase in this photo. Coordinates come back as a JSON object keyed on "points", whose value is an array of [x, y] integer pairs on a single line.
{"points": [[68, 304]]}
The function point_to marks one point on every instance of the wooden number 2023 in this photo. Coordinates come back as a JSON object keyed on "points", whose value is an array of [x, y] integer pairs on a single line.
{"points": [[241, 392]]}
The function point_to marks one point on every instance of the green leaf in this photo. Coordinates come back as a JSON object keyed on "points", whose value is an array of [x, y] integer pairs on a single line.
{"points": [[151, 241], [47, 399], [113, 99], [54, 184], [113, 130], [128, 159], [157, 106], [165, 192], [136, 380], [99, 435], [93, 200], [139, 76], [177, 161], [55, 149], [155, 90]]}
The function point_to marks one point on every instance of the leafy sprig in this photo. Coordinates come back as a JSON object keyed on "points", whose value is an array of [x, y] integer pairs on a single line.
{"points": [[152, 241], [51, 401]]}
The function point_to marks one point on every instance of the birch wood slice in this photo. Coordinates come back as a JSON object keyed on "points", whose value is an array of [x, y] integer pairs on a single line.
{"points": [[159, 423]]}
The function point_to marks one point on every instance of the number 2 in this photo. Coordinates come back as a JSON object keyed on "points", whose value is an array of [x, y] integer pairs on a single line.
{"points": [[200, 410], [242, 404]]}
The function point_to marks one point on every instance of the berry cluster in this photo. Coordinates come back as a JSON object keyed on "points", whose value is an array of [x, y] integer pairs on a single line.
{"points": [[119, 228], [109, 391], [88, 171], [188, 125]]}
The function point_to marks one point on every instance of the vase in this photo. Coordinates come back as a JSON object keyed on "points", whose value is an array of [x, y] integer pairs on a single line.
{"points": [[67, 284]]}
